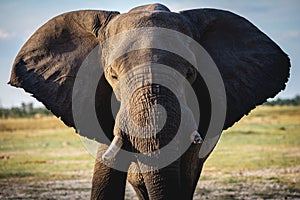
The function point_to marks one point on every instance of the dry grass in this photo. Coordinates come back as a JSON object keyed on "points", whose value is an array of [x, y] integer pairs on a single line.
{"points": [[257, 158], [31, 124]]}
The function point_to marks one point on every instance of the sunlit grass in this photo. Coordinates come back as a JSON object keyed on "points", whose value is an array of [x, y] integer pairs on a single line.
{"points": [[43, 148], [51, 152], [268, 138], [30, 124]]}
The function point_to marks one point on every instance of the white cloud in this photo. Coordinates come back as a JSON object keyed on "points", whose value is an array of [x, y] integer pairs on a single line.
{"points": [[292, 34], [4, 34]]}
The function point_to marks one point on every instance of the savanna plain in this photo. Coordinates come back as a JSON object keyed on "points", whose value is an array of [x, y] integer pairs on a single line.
{"points": [[258, 158]]}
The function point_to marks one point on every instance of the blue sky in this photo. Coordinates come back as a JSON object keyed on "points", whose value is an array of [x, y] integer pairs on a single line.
{"points": [[279, 19]]}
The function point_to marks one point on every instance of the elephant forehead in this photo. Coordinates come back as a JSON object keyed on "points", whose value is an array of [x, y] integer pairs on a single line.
{"points": [[150, 7], [154, 18], [127, 61]]}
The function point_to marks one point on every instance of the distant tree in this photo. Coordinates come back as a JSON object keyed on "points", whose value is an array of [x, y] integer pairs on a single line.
{"points": [[17, 112], [4, 113], [284, 102], [25, 110]]}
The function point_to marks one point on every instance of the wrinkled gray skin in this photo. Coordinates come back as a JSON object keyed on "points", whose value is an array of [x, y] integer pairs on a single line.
{"points": [[253, 68], [180, 177]]}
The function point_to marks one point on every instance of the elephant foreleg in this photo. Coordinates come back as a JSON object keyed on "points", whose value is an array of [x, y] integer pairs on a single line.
{"points": [[107, 183], [190, 170], [135, 178]]}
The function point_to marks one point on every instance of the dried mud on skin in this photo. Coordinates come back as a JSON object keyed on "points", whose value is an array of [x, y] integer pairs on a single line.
{"points": [[265, 187]]}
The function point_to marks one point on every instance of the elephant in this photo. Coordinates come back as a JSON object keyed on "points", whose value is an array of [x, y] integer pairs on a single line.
{"points": [[253, 68]]}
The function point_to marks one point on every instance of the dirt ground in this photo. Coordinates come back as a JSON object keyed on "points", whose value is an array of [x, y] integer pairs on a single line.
{"points": [[264, 187]]}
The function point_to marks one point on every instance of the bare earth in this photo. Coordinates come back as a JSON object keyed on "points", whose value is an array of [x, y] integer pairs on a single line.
{"points": [[266, 187], [258, 158]]}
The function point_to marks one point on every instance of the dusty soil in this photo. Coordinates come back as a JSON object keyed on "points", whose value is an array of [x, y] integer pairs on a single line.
{"points": [[278, 183], [245, 191], [66, 189], [259, 184]]}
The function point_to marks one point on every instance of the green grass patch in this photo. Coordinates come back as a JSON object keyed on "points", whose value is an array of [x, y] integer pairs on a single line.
{"points": [[268, 138], [46, 153]]}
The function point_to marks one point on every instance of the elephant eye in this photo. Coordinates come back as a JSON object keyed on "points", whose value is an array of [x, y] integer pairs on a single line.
{"points": [[191, 75], [114, 76], [112, 73]]}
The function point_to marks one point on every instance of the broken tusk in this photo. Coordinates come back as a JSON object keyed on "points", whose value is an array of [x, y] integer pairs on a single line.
{"points": [[113, 149], [196, 138]]}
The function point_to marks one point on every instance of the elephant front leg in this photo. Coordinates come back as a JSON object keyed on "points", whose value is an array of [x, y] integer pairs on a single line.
{"points": [[164, 184], [136, 179], [107, 182], [190, 169]]}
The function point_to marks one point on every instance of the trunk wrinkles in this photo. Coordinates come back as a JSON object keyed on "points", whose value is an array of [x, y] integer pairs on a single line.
{"points": [[156, 111], [150, 113]]}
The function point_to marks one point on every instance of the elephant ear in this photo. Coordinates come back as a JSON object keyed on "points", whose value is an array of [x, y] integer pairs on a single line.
{"points": [[252, 66], [47, 64]]}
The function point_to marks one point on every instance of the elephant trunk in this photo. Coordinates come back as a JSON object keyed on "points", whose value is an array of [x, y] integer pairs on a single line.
{"points": [[154, 119], [152, 110]]}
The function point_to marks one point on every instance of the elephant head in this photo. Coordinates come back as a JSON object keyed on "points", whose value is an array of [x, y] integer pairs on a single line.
{"points": [[252, 67]]}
